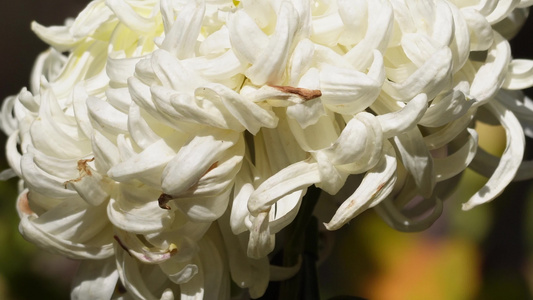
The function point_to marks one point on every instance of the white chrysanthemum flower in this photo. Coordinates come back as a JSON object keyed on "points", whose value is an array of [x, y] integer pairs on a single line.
{"points": [[174, 139]]}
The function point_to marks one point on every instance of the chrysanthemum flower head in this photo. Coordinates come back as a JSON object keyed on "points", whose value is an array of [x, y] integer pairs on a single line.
{"points": [[165, 143]]}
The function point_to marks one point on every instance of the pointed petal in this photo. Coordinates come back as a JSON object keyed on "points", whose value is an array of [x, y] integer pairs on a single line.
{"points": [[416, 159], [376, 185], [295, 177], [510, 160]]}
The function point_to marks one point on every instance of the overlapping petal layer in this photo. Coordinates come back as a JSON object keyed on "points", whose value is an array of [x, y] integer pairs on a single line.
{"points": [[170, 139]]}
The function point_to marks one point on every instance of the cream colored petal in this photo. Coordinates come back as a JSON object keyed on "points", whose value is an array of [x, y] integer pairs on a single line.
{"points": [[42, 182], [417, 160], [249, 114], [180, 41], [457, 162], [59, 167], [197, 109], [13, 156], [519, 75], [139, 129], [376, 185], [481, 34], [261, 241], [219, 68], [69, 229], [300, 60], [395, 123], [8, 122], [419, 47], [446, 108], [173, 73], [92, 17], [449, 131], [214, 266], [58, 37], [245, 272], [72, 144], [502, 10], [106, 154], [348, 91], [120, 68], [216, 42], [194, 288], [128, 16], [79, 105], [245, 36], [460, 45], [295, 177], [182, 274], [194, 159], [135, 208], [92, 187], [373, 149], [433, 76], [491, 75], [95, 279], [270, 64], [327, 29], [242, 190], [108, 118], [144, 165], [284, 211], [146, 253], [132, 277], [204, 208], [510, 160]]}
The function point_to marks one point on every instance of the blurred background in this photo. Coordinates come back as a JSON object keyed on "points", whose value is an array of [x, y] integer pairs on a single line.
{"points": [[485, 253]]}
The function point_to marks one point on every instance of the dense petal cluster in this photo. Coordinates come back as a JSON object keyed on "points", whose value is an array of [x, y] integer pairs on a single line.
{"points": [[165, 143]]}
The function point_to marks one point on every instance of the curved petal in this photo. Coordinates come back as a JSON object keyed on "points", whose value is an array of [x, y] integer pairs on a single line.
{"points": [[95, 279], [510, 160], [376, 185]]}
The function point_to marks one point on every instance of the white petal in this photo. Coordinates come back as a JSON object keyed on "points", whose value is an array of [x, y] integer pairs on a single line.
{"points": [[394, 123], [376, 185], [261, 242], [446, 108], [455, 163], [128, 16], [481, 34], [58, 37], [430, 78], [270, 63], [246, 37], [180, 41], [519, 75], [348, 91], [194, 159], [449, 131], [68, 229], [95, 279], [416, 159], [510, 160], [245, 272], [146, 164], [249, 114], [490, 76], [135, 209], [292, 178], [108, 118]]}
